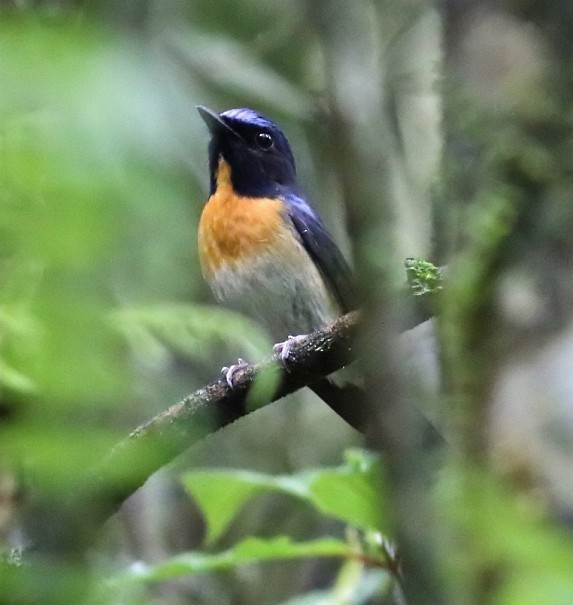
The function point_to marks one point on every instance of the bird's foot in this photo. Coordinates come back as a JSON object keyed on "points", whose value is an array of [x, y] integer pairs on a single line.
{"points": [[230, 371], [283, 349]]}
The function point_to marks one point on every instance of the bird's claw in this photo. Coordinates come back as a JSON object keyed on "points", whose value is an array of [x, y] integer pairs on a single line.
{"points": [[230, 371], [283, 349]]}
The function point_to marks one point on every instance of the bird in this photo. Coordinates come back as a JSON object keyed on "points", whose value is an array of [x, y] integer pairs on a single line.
{"points": [[263, 249]]}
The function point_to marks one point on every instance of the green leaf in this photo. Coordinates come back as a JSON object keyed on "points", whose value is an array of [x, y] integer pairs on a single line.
{"points": [[351, 493], [348, 496], [250, 550], [221, 494]]}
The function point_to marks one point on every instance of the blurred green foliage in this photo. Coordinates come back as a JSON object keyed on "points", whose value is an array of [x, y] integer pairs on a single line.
{"points": [[61, 226], [350, 493], [104, 317], [105, 320]]}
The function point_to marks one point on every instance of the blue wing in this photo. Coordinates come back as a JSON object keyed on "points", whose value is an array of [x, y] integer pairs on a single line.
{"points": [[323, 250]]}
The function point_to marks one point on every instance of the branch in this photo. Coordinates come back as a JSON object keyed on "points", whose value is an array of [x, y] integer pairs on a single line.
{"points": [[75, 523], [100, 492], [154, 444]]}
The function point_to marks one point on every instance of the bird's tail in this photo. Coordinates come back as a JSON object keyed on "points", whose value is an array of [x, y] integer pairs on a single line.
{"points": [[350, 403]]}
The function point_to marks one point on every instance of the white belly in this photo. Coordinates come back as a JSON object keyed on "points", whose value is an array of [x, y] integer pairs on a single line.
{"points": [[287, 295]]}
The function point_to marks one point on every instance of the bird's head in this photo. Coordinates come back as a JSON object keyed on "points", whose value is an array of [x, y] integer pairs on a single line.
{"points": [[254, 149]]}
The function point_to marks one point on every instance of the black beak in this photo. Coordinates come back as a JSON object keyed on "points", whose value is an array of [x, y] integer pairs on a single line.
{"points": [[215, 122]]}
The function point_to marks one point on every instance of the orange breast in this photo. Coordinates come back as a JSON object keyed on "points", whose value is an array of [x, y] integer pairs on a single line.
{"points": [[233, 228]]}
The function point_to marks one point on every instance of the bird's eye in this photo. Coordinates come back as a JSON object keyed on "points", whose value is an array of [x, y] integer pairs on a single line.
{"points": [[264, 140]]}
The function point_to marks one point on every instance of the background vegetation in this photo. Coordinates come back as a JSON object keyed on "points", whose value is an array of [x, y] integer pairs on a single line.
{"points": [[441, 131]]}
